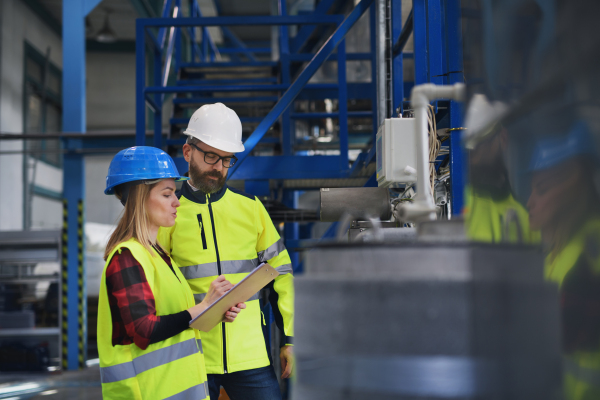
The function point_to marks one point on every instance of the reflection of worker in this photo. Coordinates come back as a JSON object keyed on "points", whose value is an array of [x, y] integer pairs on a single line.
{"points": [[565, 206], [147, 349], [220, 230], [492, 214]]}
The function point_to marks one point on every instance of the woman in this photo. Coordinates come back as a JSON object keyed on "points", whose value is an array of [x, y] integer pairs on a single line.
{"points": [[147, 349]]}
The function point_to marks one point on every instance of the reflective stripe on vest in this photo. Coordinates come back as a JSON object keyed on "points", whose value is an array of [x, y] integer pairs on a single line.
{"points": [[227, 267], [272, 251], [590, 376], [195, 392], [145, 362], [285, 269], [200, 296]]}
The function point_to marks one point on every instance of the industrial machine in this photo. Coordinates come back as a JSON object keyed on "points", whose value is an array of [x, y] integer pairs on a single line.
{"points": [[391, 311]]}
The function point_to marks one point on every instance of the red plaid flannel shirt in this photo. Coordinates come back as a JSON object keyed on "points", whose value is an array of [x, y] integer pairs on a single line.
{"points": [[131, 300]]}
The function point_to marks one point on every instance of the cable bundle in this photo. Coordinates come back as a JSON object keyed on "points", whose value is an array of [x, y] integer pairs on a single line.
{"points": [[434, 146]]}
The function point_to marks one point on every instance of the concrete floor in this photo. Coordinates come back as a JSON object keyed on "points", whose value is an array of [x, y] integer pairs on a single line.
{"points": [[70, 385]]}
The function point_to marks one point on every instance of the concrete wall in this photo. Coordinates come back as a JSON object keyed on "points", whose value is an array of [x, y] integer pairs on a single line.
{"points": [[110, 91], [99, 207], [18, 24]]}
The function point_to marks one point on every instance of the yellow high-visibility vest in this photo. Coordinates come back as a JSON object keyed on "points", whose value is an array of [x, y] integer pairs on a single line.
{"points": [[173, 368], [229, 233], [497, 221]]}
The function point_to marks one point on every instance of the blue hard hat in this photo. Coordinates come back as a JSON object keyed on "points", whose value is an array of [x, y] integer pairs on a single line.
{"points": [[551, 152], [140, 163]]}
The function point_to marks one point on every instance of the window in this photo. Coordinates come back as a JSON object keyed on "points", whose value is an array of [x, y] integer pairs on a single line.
{"points": [[42, 111]]}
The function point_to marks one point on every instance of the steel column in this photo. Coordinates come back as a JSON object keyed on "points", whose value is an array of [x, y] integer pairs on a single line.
{"points": [[284, 62], [140, 83], [373, 39], [342, 105], [420, 41], [397, 61], [74, 324], [454, 56]]}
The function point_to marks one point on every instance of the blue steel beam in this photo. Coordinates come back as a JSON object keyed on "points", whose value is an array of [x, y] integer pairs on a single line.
{"points": [[454, 56], [299, 41], [194, 100], [235, 40], [397, 62], [303, 57], [310, 69], [237, 88], [321, 115], [224, 81], [435, 45], [230, 64], [373, 40], [285, 76], [140, 83], [420, 41], [342, 105], [236, 20], [74, 324]]}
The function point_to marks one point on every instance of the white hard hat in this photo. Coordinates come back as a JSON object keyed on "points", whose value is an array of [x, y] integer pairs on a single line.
{"points": [[218, 126]]}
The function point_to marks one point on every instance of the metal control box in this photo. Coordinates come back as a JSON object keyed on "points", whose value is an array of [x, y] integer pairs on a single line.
{"points": [[396, 152]]}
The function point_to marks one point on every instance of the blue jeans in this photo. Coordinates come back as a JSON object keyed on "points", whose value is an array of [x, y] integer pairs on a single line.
{"points": [[253, 384]]}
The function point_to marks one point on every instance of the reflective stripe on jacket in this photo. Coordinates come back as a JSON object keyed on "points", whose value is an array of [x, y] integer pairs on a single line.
{"points": [[230, 233], [170, 369]]}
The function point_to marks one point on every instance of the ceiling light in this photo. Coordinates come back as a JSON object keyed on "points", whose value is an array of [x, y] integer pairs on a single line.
{"points": [[106, 34]]}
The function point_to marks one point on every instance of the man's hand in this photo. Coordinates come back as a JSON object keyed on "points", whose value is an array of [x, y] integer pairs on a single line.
{"points": [[286, 355], [233, 312]]}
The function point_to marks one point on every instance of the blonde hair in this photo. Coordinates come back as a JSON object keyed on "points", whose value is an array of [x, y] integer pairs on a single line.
{"points": [[134, 220]]}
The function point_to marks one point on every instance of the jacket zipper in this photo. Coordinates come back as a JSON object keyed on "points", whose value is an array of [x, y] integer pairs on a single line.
{"points": [[212, 222]]}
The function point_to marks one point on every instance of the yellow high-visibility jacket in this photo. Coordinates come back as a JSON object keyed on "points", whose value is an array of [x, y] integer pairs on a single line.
{"points": [[229, 233], [494, 221], [172, 368], [576, 269]]}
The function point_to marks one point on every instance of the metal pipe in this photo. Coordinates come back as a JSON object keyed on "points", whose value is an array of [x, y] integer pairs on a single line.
{"points": [[423, 207], [359, 202], [380, 60]]}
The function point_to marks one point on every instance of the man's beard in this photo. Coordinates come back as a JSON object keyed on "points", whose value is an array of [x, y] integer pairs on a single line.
{"points": [[200, 180]]}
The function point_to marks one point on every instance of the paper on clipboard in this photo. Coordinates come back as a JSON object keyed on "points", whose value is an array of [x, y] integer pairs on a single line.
{"points": [[241, 292]]}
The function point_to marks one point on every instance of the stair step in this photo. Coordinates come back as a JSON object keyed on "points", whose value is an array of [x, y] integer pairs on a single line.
{"points": [[229, 65], [193, 101], [186, 82], [184, 121]]}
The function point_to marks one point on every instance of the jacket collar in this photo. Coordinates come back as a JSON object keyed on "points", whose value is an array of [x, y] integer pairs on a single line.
{"points": [[199, 196]]}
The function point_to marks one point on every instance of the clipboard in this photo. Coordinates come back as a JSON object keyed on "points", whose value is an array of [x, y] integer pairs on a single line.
{"points": [[241, 292]]}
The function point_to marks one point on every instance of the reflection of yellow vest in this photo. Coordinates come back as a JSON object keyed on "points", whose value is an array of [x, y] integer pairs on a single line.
{"points": [[582, 368], [172, 367], [495, 221]]}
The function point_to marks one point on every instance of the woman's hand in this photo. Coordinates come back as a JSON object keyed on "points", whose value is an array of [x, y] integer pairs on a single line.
{"points": [[233, 312], [217, 288]]}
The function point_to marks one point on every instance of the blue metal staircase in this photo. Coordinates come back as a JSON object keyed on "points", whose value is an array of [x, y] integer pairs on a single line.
{"points": [[269, 96]]}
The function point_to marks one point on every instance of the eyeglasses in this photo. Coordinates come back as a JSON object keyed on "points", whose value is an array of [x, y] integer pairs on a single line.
{"points": [[212, 158]]}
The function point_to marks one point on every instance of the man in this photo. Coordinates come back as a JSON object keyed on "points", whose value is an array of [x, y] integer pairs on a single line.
{"points": [[221, 230], [564, 205]]}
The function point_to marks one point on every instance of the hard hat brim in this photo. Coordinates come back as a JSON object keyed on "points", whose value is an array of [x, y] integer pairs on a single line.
{"points": [[111, 190]]}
